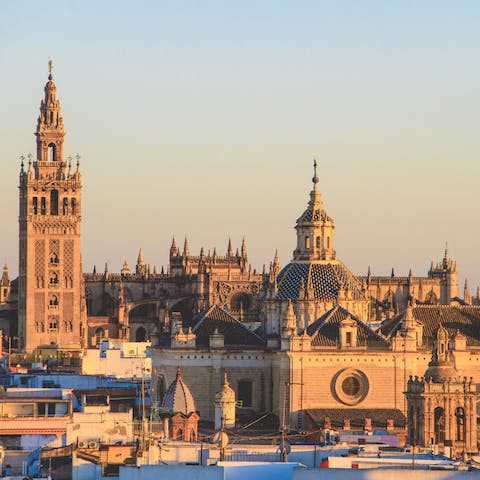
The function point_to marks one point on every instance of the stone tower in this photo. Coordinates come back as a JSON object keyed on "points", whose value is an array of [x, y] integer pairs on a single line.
{"points": [[50, 274]]}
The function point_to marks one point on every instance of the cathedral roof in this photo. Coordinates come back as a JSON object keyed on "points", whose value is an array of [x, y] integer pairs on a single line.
{"points": [[324, 280], [216, 319], [462, 319], [178, 398], [357, 416], [325, 330]]}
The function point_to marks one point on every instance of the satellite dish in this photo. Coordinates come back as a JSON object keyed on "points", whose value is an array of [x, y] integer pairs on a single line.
{"points": [[220, 439]]}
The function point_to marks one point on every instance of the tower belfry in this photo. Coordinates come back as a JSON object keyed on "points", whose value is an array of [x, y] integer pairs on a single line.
{"points": [[50, 274]]}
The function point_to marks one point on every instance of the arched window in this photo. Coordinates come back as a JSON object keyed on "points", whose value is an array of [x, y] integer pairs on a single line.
{"points": [[65, 206], [328, 242], [439, 425], [460, 421], [99, 335], [53, 300], [140, 334], [74, 206], [245, 392], [318, 240], [35, 205], [53, 278], [43, 206], [52, 150], [54, 202], [179, 434], [307, 243]]}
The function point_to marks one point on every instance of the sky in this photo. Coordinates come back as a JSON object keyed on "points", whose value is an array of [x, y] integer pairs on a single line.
{"points": [[202, 118]]}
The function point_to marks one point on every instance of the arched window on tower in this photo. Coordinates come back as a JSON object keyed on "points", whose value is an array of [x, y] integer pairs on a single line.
{"points": [[52, 152], [65, 206], [74, 206], [318, 242], [307, 243], [35, 205], [54, 202]]}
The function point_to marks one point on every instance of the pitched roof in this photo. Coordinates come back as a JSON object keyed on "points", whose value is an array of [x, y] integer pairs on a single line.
{"points": [[325, 330], [325, 279], [235, 333], [463, 319]]}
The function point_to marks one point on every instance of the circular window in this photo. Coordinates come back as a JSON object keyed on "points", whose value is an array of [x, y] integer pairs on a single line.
{"points": [[350, 386]]}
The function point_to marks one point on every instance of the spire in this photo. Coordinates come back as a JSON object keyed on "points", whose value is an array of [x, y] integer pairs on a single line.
{"points": [[185, 248], [466, 293], [314, 228], [173, 248], [140, 259], [229, 248], [243, 249], [50, 132], [289, 321], [5, 280]]}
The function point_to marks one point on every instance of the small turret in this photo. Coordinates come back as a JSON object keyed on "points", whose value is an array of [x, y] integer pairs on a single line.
{"points": [[173, 248], [186, 251]]}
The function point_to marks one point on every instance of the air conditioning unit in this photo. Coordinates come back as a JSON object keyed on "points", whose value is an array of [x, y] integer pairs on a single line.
{"points": [[82, 444], [92, 444]]}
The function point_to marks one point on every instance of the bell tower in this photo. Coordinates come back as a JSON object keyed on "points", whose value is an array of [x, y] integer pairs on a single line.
{"points": [[50, 275]]}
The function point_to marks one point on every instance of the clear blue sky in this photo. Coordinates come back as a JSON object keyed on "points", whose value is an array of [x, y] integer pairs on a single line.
{"points": [[202, 118]]}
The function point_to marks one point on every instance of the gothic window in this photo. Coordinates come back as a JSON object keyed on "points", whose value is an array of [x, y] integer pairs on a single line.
{"points": [[65, 206], [68, 326], [431, 298], [74, 206], [53, 278], [54, 202], [307, 243], [43, 206], [52, 150], [35, 205], [179, 434], [245, 392], [240, 301]]}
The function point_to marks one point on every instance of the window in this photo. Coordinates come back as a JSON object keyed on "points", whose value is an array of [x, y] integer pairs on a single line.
{"points": [[43, 206], [35, 205], [53, 300], [348, 339], [245, 392], [328, 242], [52, 150], [307, 242], [74, 206], [53, 278], [318, 242], [54, 202], [54, 259], [65, 206], [53, 326]]}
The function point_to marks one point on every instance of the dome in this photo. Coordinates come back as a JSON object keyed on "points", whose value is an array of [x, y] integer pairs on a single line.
{"points": [[325, 280], [442, 373], [178, 398]]}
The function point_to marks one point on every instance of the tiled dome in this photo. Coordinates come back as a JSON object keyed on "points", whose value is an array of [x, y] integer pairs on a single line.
{"points": [[324, 280], [178, 398]]}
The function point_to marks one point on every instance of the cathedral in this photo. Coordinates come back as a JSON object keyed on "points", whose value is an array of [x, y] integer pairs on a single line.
{"points": [[311, 343]]}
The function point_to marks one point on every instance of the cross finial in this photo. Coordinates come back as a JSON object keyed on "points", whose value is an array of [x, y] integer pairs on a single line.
{"points": [[315, 178], [50, 68]]}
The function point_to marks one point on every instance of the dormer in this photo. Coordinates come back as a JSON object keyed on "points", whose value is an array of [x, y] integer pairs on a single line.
{"points": [[348, 333]]}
